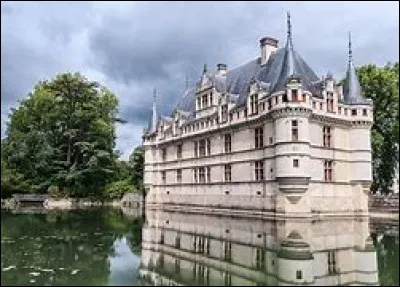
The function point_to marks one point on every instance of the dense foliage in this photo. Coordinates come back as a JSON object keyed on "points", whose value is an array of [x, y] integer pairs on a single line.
{"points": [[61, 139], [381, 84]]}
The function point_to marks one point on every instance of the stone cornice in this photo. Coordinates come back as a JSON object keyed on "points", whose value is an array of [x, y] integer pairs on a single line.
{"points": [[290, 111], [323, 119], [275, 113], [263, 150], [234, 184]]}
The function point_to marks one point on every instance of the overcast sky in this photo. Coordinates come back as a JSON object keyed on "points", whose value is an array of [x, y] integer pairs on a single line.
{"points": [[133, 47]]}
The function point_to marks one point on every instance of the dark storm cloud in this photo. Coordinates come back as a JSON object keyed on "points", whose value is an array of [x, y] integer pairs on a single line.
{"points": [[161, 49], [132, 47]]}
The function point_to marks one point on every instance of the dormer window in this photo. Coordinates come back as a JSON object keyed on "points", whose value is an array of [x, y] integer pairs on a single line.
{"points": [[365, 112], [329, 102], [224, 113], [198, 103], [295, 96], [254, 104], [204, 101]]}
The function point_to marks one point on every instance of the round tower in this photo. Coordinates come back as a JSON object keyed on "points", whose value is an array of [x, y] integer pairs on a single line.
{"points": [[295, 261]]}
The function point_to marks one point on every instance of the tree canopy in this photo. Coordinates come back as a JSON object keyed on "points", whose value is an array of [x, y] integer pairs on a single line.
{"points": [[381, 84], [61, 138]]}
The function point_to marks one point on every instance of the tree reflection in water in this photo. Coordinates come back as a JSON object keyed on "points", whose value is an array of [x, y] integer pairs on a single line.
{"points": [[387, 247], [63, 247]]}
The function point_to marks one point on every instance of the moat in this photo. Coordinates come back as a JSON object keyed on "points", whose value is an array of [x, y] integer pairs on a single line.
{"points": [[106, 247]]}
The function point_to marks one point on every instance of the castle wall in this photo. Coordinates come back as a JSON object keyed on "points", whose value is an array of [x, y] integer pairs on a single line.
{"points": [[294, 166]]}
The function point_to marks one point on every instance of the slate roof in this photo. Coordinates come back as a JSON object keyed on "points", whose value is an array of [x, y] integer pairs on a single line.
{"points": [[283, 64], [352, 92]]}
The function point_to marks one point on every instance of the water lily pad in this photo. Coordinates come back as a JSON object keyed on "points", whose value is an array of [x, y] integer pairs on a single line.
{"points": [[9, 268], [46, 270]]}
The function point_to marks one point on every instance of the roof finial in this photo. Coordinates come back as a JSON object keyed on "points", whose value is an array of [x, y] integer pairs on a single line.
{"points": [[187, 82], [154, 114], [205, 68], [350, 51], [289, 29]]}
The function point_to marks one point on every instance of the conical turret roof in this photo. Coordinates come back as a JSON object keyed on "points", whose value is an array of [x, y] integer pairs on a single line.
{"points": [[352, 92]]}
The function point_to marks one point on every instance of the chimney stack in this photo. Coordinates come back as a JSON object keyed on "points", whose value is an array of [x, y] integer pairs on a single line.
{"points": [[221, 68], [268, 45]]}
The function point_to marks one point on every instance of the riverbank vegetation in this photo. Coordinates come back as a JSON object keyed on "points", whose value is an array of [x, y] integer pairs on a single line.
{"points": [[61, 140], [381, 84]]}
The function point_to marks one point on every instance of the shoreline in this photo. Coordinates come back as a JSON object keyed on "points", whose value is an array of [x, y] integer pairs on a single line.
{"points": [[63, 203], [78, 203]]}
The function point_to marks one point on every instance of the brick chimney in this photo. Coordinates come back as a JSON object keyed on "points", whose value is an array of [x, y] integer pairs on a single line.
{"points": [[268, 45]]}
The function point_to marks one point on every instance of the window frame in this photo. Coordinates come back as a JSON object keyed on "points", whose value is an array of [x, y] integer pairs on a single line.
{"points": [[179, 175], [254, 104], [327, 136], [228, 143], [259, 170], [295, 130], [202, 174], [259, 137], [179, 151], [328, 170], [227, 173]]}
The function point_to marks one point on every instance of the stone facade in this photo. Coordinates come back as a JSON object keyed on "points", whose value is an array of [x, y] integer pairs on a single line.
{"points": [[267, 137], [187, 249]]}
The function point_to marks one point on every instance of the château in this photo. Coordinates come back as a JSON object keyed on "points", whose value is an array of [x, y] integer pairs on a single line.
{"points": [[268, 137]]}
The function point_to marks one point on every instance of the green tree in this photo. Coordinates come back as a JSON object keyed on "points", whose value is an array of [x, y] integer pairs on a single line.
{"points": [[381, 84], [136, 161], [63, 134], [11, 181]]}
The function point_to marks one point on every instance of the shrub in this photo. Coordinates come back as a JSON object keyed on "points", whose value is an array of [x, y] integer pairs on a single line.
{"points": [[117, 189]]}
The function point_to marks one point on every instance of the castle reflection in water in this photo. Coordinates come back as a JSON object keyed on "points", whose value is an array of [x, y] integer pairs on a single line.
{"points": [[197, 249]]}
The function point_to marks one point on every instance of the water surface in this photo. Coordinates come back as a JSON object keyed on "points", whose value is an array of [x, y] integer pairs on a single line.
{"points": [[105, 247]]}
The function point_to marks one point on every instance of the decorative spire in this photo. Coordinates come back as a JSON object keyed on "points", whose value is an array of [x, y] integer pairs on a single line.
{"points": [[154, 116], [352, 91], [291, 70], [350, 51], [289, 30], [187, 82], [205, 69]]}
